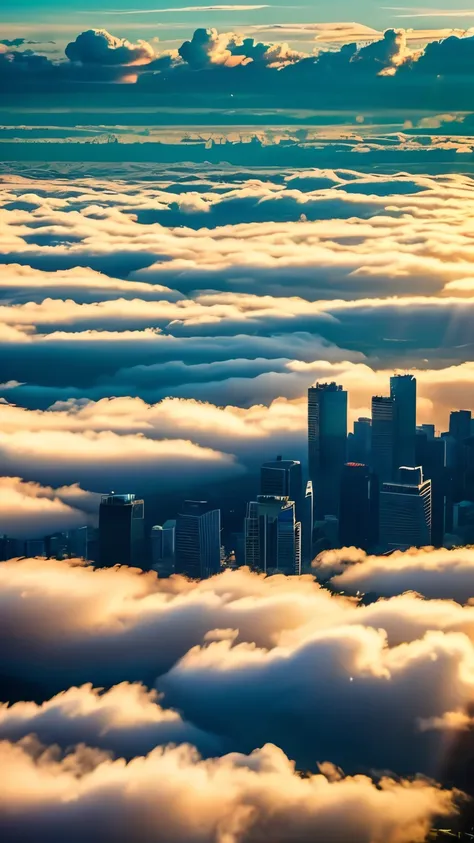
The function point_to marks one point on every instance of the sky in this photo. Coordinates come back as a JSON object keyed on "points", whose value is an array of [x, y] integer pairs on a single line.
{"points": [[167, 20]]}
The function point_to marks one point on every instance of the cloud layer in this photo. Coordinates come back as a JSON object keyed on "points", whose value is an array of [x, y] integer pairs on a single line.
{"points": [[366, 71], [173, 795], [238, 657]]}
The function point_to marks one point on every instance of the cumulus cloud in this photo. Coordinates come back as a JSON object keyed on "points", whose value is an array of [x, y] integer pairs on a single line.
{"points": [[238, 63], [245, 659], [173, 795], [209, 47], [97, 46], [127, 720], [433, 573], [29, 510]]}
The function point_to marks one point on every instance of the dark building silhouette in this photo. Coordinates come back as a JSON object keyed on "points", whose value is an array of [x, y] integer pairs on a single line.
{"points": [[460, 424], [121, 530], [162, 542], [358, 507], [307, 523], [431, 455], [283, 478], [327, 444], [359, 443], [383, 437], [198, 540], [403, 394]]}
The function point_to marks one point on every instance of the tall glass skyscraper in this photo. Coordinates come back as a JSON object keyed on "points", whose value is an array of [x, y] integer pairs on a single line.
{"points": [[198, 540], [272, 535], [383, 435], [405, 511], [327, 443], [121, 530], [358, 511], [283, 478], [403, 394]]}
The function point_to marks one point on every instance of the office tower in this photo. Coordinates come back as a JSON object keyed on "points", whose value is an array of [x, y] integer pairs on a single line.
{"points": [[459, 434], [283, 478], [358, 510], [11, 548], [463, 522], [272, 535], [163, 548], [58, 545], [383, 437], [460, 425], [326, 534], [198, 540], [405, 511], [35, 547], [360, 441], [307, 521], [121, 530], [428, 429], [78, 542], [403, 394], [431, 455], [327, 444]]}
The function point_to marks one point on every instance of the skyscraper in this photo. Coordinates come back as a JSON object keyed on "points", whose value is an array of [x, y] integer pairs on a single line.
{"points": [[403, 394], [357, 524], [307, 523], [382, 437], [405, 511], [327, 443], [272, 535], [121, 530], [459, 434], [460, 424], [360, 441], [283, 478], [431, 455], [163, 548], [198, 540]]}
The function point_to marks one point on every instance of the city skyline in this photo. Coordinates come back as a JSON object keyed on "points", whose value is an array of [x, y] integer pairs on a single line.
{"points": [[322, 515]]}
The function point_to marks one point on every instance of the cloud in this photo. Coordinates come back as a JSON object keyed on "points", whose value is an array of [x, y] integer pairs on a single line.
{"points": [[97, 46], [225, 8], [210, 48], [29, 510], [433, 573], [23, 283], [104, 459], [175, 796], [236, 63], [126, 720], [238, 654]]}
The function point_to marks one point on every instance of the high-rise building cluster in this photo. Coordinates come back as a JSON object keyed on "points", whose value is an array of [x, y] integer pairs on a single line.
{"points": [[388, 484]]}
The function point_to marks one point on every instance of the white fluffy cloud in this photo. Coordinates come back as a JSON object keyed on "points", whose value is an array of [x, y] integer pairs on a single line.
{"points": [[245, 660], [173, 795], [29, 510], [433, 573]]}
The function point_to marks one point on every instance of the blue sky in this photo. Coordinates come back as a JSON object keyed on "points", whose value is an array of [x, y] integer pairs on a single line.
{"points": [[148, 18]]}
